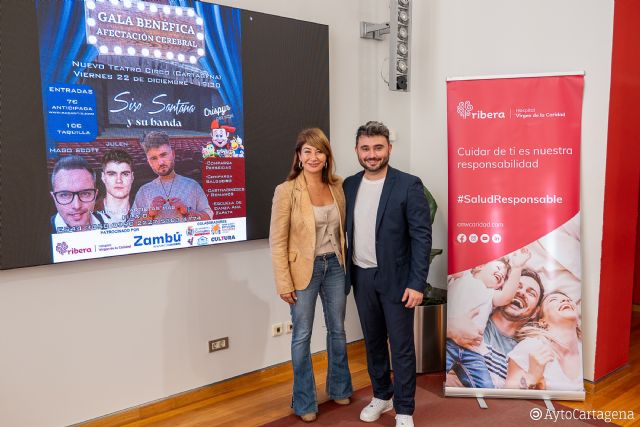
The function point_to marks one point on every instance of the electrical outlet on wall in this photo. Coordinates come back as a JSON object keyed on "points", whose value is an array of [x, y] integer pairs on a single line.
{"points": [[219, 344], [277, 329], [288, 326]]}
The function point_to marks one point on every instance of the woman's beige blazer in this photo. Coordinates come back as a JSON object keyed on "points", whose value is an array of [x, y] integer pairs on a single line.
{"points": [[292, 235]]}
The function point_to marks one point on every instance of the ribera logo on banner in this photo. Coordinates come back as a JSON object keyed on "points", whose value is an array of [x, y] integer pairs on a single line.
{"points": [[465, 110], [514, 235]]}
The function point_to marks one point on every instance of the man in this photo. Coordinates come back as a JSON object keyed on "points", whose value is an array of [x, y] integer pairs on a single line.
{"points": [[169, 197], [502, 326], [73, 184], [387, 263], [117, 176]]}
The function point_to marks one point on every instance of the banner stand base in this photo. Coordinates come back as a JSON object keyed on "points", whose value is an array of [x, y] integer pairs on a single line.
{"points": [[482, 403], [510, 393]]}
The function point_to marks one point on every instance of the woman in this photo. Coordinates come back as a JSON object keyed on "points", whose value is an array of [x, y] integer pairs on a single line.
{"points": [[550, 355], [307, 250]]}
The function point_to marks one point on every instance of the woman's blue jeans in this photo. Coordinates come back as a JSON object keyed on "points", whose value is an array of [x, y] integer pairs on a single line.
{"points": [[328, 280]]}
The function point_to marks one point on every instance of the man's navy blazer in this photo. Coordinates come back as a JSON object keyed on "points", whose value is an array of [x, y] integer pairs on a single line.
{"points": [[403, 233]]}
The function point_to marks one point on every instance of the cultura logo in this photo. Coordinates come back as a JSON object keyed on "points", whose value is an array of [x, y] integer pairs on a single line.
{"points": [[464, 109]]}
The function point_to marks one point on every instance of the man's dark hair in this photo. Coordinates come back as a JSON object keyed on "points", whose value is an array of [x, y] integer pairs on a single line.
{"points": [[535, 276], [372, 128], [69, 163], [118, 156], [155, 139]]}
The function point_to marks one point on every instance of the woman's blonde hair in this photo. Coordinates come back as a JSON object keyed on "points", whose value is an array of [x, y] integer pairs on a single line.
{"points": [[538, 330], [316, 139]]}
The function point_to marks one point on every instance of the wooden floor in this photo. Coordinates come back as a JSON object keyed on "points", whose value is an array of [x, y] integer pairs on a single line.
{"points": [[619, 391], [260, 397]]}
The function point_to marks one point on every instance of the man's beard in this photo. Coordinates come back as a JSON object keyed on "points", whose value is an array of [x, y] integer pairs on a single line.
{"points": [[384, 162], [517, 317], [167, 172]]}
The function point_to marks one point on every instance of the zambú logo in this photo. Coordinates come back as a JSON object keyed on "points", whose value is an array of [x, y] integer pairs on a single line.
{"points": [[174, 238], [464, 109]]}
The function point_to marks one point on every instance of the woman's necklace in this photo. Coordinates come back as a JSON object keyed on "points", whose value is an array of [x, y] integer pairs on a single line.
{"points": [[166, 195]]}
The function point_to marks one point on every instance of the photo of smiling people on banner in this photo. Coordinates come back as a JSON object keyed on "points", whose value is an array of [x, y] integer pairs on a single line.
{"points": [[515, 322]]}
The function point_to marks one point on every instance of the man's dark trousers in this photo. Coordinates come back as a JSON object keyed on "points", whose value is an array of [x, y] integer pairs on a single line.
{"points": [[380, 318]]}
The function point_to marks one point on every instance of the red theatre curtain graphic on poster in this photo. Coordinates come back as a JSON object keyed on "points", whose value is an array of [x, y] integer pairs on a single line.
{"points": [[514, 233]]}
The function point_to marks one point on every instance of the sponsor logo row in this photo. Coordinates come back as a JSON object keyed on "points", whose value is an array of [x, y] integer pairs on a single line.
{"points": [[201, 234]]}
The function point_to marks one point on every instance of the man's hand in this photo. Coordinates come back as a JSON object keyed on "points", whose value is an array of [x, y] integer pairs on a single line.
{"points": [[179, 205], [289, 298], [156, 204], [412, 298]]}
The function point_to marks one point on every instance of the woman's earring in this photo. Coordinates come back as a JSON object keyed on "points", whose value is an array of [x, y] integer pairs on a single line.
{"points": [[326, 165], [543, 324], [300, 164]]}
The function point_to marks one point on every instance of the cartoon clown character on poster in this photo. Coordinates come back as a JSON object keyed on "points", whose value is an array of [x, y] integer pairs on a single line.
{"points": [[222, 144]]}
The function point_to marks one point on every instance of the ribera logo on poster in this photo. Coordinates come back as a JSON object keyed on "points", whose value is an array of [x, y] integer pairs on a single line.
{"points": [[63, 249]]}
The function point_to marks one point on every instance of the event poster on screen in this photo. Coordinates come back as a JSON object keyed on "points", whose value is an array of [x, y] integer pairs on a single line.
{"points": [[143, 111]]}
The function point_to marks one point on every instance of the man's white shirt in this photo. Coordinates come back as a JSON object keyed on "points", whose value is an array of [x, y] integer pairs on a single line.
{"points": [[364, 223]]}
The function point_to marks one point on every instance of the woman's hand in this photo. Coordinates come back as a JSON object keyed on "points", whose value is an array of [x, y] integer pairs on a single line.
{"points": [[538, 359], [289, 298]]}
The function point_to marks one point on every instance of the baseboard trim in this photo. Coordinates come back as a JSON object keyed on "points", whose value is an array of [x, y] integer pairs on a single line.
{"points": [[176, 401]]}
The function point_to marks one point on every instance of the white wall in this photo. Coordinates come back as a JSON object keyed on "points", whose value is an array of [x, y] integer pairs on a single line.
{"points": [[85, 339], [497, 37]]}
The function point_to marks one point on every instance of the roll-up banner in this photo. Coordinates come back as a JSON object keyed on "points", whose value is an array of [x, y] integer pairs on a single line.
{"points": [[514, 300]]}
